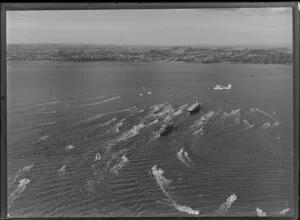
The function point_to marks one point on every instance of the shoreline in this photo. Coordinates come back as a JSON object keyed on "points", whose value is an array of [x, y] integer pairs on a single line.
{"points": [[154, 62]]}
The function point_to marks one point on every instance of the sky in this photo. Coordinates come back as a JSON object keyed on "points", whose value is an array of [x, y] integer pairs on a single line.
{"points": [[205, 27]]}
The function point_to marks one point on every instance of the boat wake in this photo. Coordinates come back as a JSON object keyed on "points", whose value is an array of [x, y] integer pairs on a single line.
{"points": [[97, 103], [242, 129], [135, 130], [198, 124], [157, 108], [21, 187], [119, 125], [22, 171], [284, 211], [247, 125], [91, 119], [37, 105], [260, 212], [115, 169], [232, 113], [87, 99], [164, 185], [70, 147], [108, 122], [223, 209], [62, 170], [184, 157], [266, 114], [132, 109], [219, 87]]}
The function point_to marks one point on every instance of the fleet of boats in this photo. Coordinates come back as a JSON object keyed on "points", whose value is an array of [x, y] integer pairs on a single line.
{"points": [[167, 127]]}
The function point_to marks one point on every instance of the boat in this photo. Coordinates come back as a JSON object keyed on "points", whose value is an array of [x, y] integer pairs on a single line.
{"points": [[165, 129], [194, 107]]}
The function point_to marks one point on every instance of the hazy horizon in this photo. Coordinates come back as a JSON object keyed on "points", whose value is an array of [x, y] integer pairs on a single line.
{"points": [[239, 27], [158, 45]]}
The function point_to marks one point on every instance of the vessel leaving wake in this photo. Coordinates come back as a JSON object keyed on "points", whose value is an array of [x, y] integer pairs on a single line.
{"points": [[62, 170], [226, 205], [184, 157], [260, 212], [164, 183], [285, 211], [21, 187], [21, 171]]}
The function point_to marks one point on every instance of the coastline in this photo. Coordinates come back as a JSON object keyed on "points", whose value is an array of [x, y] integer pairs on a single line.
{"points": [[136, 62]]}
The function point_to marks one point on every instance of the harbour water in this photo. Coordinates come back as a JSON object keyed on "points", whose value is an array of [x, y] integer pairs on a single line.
{"points": [[82, 140]]}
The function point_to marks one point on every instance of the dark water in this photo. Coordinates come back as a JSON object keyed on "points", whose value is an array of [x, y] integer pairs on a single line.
{"points": [[232, 157]]}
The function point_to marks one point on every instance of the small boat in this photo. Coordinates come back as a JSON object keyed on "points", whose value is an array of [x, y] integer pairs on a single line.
{"points": [[194, 107], [98, 157], [165, 129]]}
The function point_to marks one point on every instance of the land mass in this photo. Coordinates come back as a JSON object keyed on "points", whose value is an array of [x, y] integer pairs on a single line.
{"points": [[145, 54]]}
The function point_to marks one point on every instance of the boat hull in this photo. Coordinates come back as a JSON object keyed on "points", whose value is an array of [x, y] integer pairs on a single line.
{"points": [[193, 110]]}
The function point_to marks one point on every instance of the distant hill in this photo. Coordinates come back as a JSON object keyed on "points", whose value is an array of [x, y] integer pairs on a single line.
{"points": [[128, 53]]}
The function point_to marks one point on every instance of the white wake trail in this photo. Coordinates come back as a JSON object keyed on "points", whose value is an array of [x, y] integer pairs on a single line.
{"points": [[284, 211], [62, 170], [23, 170], [226, 205], [183, 156], [260, 212], [164, 184], [88, 99], [108, 122], [37, 105], [21, 187], [247, 125], [219, 87], [107, 100], [186, 155], [266, 114]]}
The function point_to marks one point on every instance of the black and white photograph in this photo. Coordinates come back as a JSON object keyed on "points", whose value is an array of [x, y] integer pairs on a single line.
{"points": [[158, 112]]}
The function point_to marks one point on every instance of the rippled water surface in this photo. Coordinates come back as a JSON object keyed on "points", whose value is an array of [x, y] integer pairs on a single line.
{"points": [[82, 140]]}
